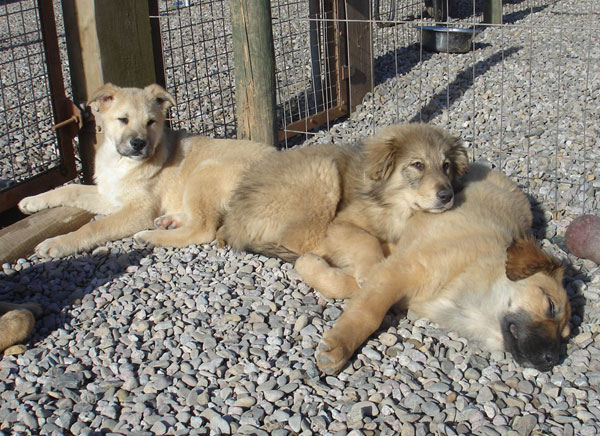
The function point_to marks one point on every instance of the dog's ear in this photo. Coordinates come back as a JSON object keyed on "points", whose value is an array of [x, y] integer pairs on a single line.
{"points": [[103, 97], [458, 156], [163, 98], [380, 158], [525, 258]]}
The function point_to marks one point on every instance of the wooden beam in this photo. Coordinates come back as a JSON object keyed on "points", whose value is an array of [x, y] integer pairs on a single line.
{"points": [[109, 41], [360, 52], [254, 60], [492, 11], [19, 239]]}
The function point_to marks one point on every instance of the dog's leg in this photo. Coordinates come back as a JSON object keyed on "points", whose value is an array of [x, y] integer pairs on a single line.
{"points": [[331, 282], [17, 322], [179, 237], [362, 316], [84, 197], [351, 250], [204, 201], [129, 220]]}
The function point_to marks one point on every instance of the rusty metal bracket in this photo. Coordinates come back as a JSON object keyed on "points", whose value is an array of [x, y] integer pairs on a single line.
{"points": [[74, 113]]}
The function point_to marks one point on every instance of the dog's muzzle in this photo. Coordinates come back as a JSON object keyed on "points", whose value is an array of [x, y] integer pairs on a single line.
{"points": [[531, 343], [136, 148]]}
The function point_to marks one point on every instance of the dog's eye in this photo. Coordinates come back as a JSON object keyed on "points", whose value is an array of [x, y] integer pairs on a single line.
{"points": [[124, 120], [551, 308], [418, 165], [150, 122], [446, 166]]}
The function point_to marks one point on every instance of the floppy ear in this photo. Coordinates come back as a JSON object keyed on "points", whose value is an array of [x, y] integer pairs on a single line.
{"points": [[525, 258], [458, 156], [103, 97], [380, 158], [163, 98]]}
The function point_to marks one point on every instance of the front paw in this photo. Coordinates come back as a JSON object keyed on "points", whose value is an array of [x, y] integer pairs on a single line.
{"points": [[331, 355], [33, 204], [169, 222], [310, 264], [55, 247], [144, 237]]}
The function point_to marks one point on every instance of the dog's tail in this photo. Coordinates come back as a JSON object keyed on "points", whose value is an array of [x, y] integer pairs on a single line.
{"points": [[273, 249]]}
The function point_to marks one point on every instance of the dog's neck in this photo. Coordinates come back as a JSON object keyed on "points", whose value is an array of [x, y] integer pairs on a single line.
{"points": [[474, 314], [387, 222], [111, 168]]}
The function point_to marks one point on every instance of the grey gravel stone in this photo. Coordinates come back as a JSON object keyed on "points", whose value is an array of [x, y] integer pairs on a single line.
{"points": [[205, 340]]}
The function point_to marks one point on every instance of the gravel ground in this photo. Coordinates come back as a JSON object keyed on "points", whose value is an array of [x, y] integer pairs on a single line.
{"points": [[205, 340]]}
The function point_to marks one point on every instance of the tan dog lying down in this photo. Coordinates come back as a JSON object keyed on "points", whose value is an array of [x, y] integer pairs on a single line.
{"points": [[474, 269], [332, 200], [16, 322], [144, 170]]}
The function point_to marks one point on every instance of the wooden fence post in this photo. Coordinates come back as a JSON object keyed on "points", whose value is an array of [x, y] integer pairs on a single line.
{"points": [[360, 50], [254, 61], [492, 11]]}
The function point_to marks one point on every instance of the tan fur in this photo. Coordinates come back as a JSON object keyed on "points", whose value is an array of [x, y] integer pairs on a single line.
{"points": [[335, 204], [473, 269], [144, 170], [16, 322]]}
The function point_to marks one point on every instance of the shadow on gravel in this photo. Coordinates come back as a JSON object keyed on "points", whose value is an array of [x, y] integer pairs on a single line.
{"points": [[398, 62], [63, 283], [513, 17], [456, 89]]}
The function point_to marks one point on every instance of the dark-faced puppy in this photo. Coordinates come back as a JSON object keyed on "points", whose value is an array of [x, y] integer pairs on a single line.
{"points": [[537, 317]]}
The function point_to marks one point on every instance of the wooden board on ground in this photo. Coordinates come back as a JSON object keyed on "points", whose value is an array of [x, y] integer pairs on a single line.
{"points": [[19, 239]]}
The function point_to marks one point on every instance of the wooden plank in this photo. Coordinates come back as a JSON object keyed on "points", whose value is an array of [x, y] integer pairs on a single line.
{"points": [[19, 239], [360, 53], [254, 61], [492, 11], [313, 121]]}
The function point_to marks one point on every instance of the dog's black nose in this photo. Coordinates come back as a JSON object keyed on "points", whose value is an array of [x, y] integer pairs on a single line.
{"points": [[550, 358], [445, 195], [137, 144]]}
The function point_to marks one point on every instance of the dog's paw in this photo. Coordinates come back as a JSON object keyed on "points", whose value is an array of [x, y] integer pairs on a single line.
{"points": [[54, 247], [309, 264], [169, 222], [220, 238], [331, 355], [33, 204], [143, 237]]}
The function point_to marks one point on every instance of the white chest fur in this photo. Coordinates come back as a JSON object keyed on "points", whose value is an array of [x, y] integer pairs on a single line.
{"points": [[116, 176]]}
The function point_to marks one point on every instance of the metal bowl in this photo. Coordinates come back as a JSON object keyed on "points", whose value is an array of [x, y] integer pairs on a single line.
{"points": [[446, 39]]}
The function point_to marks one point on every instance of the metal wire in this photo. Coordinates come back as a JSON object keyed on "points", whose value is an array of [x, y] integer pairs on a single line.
{"points": [[27, 145]]}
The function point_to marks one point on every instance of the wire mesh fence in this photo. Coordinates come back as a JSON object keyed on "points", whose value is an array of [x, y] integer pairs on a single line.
{"points": [[198, 63], [27, 145], [526, 96]]}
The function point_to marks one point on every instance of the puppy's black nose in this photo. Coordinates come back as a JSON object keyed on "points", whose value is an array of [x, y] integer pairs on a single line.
{"points": [[137, 144], [445, 195], [550, 358]]}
